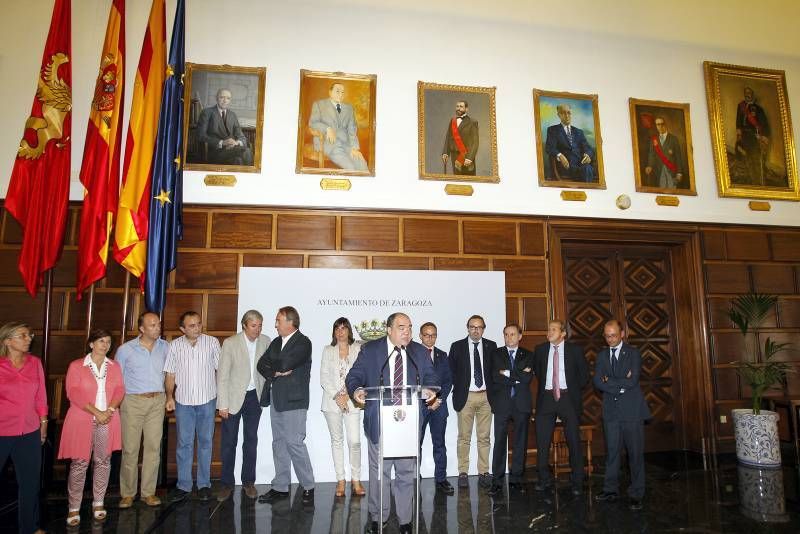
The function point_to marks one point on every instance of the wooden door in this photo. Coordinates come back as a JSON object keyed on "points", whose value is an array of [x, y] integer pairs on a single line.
{"points": [[634, 284]]}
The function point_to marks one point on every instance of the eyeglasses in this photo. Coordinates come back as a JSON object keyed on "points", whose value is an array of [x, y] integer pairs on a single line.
{"points": [[475, 327], [26, 335]]}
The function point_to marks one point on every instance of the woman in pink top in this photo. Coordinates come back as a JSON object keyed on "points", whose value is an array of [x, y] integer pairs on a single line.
{"points": [[23, 417], [91, 428]]}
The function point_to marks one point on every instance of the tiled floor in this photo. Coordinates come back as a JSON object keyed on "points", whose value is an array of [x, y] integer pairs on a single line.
{"points": [[681, 497]]}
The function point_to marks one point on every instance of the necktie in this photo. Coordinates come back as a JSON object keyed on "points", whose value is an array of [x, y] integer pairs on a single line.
{"points": [[476, 365], [430, 352], [224, 123], [338, 108], [397, 392], [511, 368], [556, 385], [614, 362], [569, 135]]}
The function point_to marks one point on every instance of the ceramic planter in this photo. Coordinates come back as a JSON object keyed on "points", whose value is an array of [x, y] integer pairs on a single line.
{"points": [[757, 442]]}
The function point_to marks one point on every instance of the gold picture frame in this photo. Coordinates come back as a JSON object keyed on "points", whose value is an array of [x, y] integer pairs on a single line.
{"points": [[552, 141], [661, 136], [751, 132], [469, 154], [336, 124], [205, 145]]}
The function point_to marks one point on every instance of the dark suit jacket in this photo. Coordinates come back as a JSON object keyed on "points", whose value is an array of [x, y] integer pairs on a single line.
{"points": [[618, 405], [460, 358], [672, 149], [366, 373], [576, 371], [469, 134], [522, 401], [286, 392], [211, 129], [442, 369]]}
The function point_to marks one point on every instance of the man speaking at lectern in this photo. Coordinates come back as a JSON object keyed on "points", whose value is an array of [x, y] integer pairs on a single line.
{"points": [[402, 363]]}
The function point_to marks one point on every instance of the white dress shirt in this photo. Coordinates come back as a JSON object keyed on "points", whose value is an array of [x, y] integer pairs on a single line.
{"points": [[100, 401], [471, 360], [251, 352], [562, 377]]}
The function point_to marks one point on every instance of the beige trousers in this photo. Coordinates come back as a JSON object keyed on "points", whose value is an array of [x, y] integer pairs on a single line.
{"points": [[141, 417], [476, 412]]}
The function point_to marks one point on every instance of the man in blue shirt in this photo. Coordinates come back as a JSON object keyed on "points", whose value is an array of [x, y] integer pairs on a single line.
{"points": [[142, 363]]}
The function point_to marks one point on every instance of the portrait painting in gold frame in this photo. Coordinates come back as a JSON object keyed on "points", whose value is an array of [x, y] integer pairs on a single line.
{"points": [[751, 132], [661, 135], [457, 133], [336, 124], [224, 117]]}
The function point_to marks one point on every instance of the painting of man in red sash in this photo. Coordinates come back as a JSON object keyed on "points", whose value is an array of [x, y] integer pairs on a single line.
{"points": [[460, 142], [752, 137]]}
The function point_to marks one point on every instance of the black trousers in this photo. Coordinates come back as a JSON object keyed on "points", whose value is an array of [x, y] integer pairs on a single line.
{"points": [[251, 413], [547, 409], [521, 422], [26, 453], [629, 434]]}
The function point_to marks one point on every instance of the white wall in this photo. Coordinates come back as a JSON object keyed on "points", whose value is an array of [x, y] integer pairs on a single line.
{"points": [[500, 44]]}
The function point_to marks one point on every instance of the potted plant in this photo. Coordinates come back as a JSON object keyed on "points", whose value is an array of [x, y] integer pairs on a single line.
{"points": [[756, 430]]}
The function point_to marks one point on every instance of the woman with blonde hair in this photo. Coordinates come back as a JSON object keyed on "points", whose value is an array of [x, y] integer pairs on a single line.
{"points": [[23, 418], [92, 428], [339, 410]]}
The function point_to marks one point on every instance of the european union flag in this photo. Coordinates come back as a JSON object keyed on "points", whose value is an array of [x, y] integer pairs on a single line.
{"points": [[166, 194]]}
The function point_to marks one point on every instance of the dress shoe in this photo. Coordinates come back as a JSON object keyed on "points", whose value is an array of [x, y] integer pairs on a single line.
{"points": [[152, 500], [308, 497], [356, 489], [485, 480], [517, 486], [445, 487], [126, 502], [609, 496], [543, 486], [496, 490], [463, 480], [374, 527], [339, 489], [250, 490], [273, 495], [224, 493], [179, 495], [406, 528], [204, 494], [635, 504]]}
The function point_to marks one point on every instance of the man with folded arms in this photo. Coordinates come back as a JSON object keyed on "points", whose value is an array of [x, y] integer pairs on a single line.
{"points": [[239, 387], [142, 363]]}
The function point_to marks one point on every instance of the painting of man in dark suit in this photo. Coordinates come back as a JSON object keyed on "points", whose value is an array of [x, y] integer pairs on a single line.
{"points": [[568, 145], [662, 158], [218, 127], [461, 141]]}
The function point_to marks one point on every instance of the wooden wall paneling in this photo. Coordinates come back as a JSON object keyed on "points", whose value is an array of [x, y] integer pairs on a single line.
{"points": [[177, 303], [106, 310], [272, 260], [726, 384], [522, 276], [241, 230], [206, 270], [221, 314], [461, 264], [19, 306], [785, 246], [430, 235], [379, 234], [773, 279], [306, 232], [512, 312], [718, 312], [531, 239], [534, 311], [489, 237], [65, 273], [789, 312], [713, 244], [727, 347], [195, 228], [64, 347], [336, 262], [746, 245], [727, 278], [400, 262], [12, 231]]}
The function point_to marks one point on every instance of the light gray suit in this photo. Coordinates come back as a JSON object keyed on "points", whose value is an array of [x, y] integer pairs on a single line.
{"points": [[324, 115]]}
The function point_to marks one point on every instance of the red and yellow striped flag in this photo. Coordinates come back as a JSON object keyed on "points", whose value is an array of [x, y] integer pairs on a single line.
{"points": [[101, 154], [130, 236]]}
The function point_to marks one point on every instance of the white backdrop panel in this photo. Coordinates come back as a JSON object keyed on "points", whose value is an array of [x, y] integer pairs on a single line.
{"points": [[323, 295]]}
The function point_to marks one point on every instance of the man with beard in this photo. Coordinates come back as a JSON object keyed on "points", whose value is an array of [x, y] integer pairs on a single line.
{"points": [[752, 137], [461, 141]]}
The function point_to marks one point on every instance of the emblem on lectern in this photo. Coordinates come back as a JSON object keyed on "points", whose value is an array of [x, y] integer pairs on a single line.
{"points": [[399, 415]]}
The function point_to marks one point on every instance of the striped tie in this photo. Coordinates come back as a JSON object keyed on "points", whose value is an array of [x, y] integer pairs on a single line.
{"points": [[397, 391]]}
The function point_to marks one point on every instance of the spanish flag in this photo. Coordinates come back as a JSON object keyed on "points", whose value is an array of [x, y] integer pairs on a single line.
{"points": [[101, 154], [38, 192], [130, 236]]}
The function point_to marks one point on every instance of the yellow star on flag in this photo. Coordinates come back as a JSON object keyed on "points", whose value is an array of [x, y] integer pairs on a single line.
{"points": [[163, 197]]}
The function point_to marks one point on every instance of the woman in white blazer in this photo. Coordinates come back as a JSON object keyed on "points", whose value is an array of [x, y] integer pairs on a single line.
{"points": [[342, 415]]}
